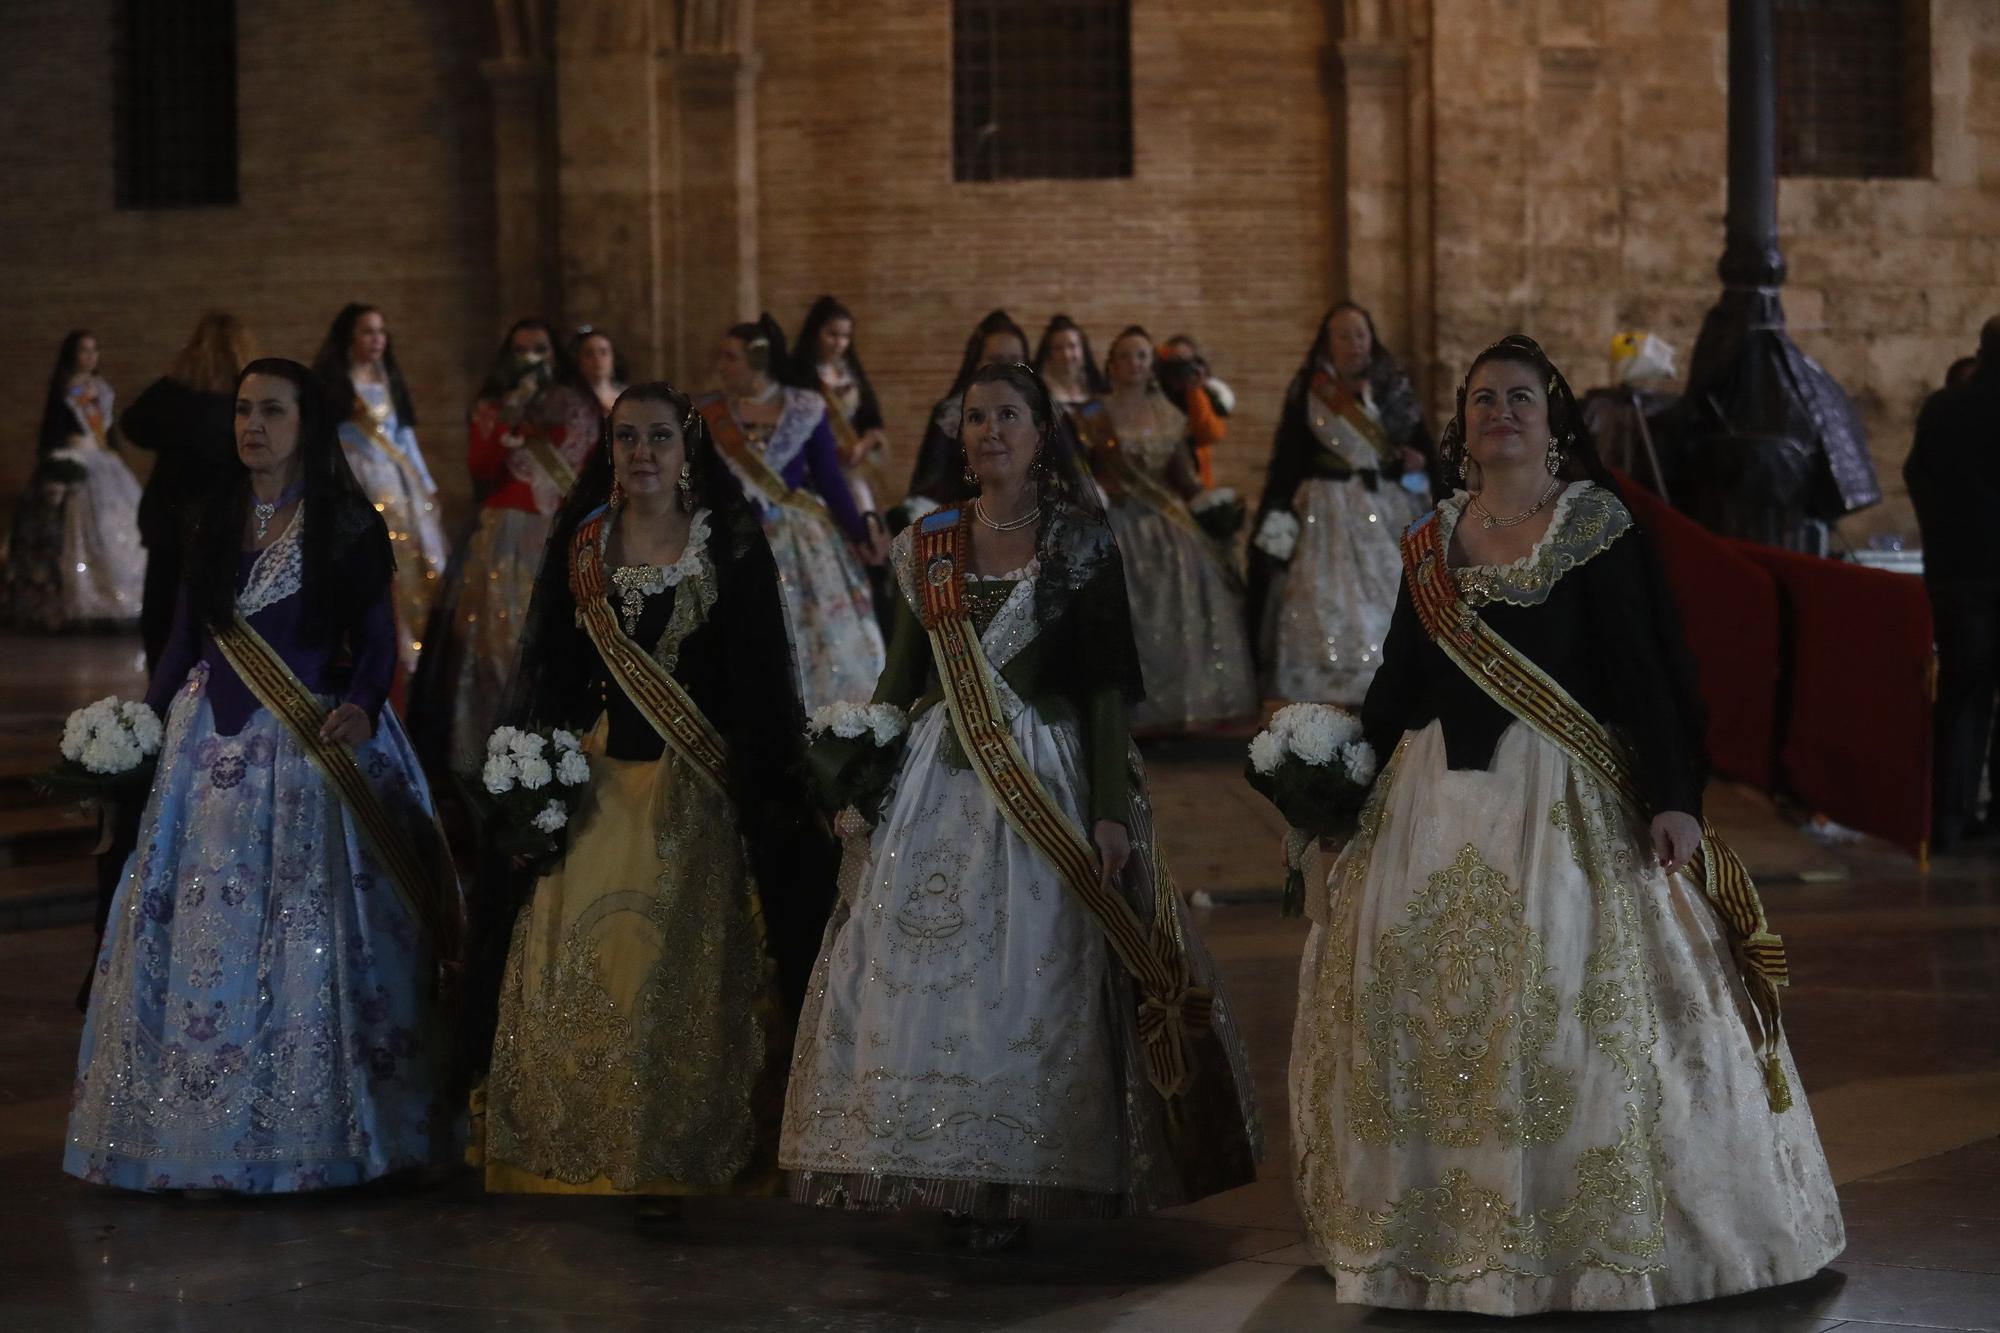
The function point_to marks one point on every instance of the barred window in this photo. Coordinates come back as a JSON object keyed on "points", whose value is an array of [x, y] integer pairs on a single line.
{"points": [[1854, 87], [1041, 89], [174, 65]]}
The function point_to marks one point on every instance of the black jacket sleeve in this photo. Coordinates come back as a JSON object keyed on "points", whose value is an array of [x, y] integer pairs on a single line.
{"points": [[1391, 704], [1647, 674], [1291, 447]]}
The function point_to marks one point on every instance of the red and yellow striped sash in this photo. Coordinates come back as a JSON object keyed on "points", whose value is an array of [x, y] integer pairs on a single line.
{"points": [[650, 686], [1171, 1007], [1530, 694], [1335, 398], [748, 460]]}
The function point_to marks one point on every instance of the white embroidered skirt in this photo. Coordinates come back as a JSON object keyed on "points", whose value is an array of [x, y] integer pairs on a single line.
{"points": [[1523, 1073]]}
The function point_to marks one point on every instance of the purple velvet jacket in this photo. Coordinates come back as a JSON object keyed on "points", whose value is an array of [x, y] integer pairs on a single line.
{"points": [[356, 663]]}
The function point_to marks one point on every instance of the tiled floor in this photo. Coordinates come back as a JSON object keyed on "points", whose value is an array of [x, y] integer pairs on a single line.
{"points": [[1894, 1017]]}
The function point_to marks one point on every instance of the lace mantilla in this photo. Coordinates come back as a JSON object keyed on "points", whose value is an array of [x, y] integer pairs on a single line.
{"points": [[1588, 518], [802, 413], [276, 572]]}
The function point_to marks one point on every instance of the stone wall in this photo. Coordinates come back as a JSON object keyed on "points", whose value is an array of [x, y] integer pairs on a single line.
{"points": [[365, 175], [1224, 229], [1579, 190]]}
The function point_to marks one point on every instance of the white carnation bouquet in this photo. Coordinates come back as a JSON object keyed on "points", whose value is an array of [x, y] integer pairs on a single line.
{"points": [[853, 752], [107, 747], [1278, 535], [535, 780], [1314, 765], [1220, 512]]}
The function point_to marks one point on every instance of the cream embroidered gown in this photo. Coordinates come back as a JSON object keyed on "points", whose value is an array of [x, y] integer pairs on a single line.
{"points": [[1523, 1076]]}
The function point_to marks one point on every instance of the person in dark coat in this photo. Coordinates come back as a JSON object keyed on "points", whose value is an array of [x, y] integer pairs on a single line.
{"points": [[1956, 491]]}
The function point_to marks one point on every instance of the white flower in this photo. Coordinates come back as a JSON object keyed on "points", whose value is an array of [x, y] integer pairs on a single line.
{"points": [[1314, 732], [565, 740], [536, 773], [1212, 498], [1359, 761], [1278, 535], [144, 724], [527, 745], [1312, 741], [498, 774], [886, 722], [825, 717], [552, 816], [502, 740], [1267, 751], [573, 770]]}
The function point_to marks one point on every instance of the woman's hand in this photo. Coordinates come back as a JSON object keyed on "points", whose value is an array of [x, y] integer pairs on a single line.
{"points": [[346, 725], [1676, 837], [1114, 849]]}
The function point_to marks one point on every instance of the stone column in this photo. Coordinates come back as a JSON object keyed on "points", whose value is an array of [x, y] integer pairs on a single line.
{"points": [[526, 278], [708, 156]]}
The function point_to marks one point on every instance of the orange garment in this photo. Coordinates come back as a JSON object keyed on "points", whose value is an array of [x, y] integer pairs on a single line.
{"points": [[1205, 426]]}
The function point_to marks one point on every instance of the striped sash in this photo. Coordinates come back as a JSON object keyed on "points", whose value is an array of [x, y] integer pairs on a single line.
{"points": [[1530, 694], [371, 426], [748, 460], [1171, 1007], [650, 686], [1100, 437], [1335, 398], [414, 854], [549, 459]]}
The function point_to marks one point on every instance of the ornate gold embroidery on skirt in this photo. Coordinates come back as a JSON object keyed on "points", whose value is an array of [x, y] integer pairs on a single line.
{"points": [[635, 1021], [1483, 1017]]}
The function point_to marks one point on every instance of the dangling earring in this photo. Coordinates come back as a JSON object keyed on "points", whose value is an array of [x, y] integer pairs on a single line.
{"points": [[617, 493], [686, 487], [970, 479], [1553, 459]]}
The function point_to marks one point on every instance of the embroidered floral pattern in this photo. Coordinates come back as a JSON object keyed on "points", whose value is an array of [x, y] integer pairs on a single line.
{"points": [[1588, 518]]}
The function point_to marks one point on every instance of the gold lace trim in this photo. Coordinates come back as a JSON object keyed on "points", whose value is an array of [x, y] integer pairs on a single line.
{"points": [[1587, 520]]}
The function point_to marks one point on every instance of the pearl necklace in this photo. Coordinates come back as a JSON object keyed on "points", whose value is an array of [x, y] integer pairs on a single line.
{"points": [[1488, 520], [1012, 524]]}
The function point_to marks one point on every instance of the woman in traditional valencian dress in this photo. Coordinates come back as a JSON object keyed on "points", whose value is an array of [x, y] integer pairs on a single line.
{"points": [[262, 1017], [939, 472], [1349, 438], [533, 426], [1187, 595], [829, 363], [76, 561], [653, 975], [974, 1038], [1067, 365], [1529, 1071], [600, 365], [378, 431], [776, 439]]}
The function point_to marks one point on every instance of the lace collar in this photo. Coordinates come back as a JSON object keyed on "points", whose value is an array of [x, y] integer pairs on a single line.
{"points": [[277, 571], [635, 583], [1587, 519], [802, 412]]}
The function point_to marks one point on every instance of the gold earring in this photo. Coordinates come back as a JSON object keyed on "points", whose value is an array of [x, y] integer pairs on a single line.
{"points": [[617, 494], [1553, 459], [685, 485]]}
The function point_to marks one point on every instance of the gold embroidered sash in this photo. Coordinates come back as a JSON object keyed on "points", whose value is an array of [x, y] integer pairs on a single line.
{"points": [[548, 458], [417, 861], [371, 426], [650, 686], [1171, 1007], [1100, 437], [1335, 398], [749, 462], [836, 417], [1530, 694]]}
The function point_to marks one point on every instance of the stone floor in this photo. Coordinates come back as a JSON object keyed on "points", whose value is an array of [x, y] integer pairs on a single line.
{"points": [[1893, 1019]]}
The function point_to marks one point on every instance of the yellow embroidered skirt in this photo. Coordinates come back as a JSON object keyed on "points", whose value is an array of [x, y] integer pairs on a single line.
{"points": [[640, 1047]]}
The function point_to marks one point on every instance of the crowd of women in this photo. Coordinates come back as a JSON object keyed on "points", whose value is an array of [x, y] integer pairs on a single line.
{"points": [[858, 895]]}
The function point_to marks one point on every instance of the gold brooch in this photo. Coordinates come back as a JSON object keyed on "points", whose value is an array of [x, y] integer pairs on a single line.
{"points": [[939, 572]]}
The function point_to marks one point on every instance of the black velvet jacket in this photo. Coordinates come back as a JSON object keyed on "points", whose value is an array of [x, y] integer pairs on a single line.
{"points": [[1590, 609]]}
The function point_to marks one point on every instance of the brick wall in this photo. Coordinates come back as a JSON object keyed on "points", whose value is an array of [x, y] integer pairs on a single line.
{"points": [[1580, 190], [1224, 229], [365, 171]]}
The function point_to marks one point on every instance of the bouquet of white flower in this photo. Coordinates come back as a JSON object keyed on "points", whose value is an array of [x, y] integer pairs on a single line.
{"points": [[1313, 764], [853, 751], [108, 747], [1220, 512], [1278, 535], [536, 781]]}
